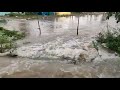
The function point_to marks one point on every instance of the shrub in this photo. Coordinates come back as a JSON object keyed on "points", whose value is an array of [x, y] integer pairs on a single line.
{"points": [[7, 39], [3, 21], [13, 14], [3, 41], [111, 39], [1, 28]]}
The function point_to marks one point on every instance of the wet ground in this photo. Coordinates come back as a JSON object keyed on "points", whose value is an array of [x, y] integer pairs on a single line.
{"points": [[58, 38]]}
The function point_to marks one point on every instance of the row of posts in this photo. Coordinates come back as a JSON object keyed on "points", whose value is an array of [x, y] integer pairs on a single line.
{"points": [[40, 28]]}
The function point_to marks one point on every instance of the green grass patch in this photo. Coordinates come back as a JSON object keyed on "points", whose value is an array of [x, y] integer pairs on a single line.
{"points": [[8, 38]]}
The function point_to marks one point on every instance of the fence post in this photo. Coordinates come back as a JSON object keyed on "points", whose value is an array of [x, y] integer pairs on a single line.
{"points": [[39, 26], [78, 25]]}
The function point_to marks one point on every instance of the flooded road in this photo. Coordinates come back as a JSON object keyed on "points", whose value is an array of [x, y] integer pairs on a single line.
{"points": [[54, 25], [58, 39]]}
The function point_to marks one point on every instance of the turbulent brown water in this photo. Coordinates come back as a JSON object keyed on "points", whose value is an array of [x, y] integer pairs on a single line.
{"points": [[58, 38]]}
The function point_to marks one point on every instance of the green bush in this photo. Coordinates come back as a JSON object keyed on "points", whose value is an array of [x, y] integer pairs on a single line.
{"points": [[3, 41], [3, 21], [15, 34], [7, 39], [1, 28], [13, 14], [111, 39], [116, 15]]}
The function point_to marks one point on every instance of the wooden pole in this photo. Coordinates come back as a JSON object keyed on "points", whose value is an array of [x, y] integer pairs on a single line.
{"points": [[78, 25], [39, 26]]}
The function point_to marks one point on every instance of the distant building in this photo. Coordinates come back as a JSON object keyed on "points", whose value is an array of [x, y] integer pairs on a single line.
{"points": [[46, 13], [63, 13], [54, 13]]}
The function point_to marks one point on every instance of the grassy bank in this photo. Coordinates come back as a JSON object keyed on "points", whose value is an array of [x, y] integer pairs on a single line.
{"points": [[8, 38], [110, 39]]}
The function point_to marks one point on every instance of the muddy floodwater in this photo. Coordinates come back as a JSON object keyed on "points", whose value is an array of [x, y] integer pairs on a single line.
{"points": [[40, 55]]}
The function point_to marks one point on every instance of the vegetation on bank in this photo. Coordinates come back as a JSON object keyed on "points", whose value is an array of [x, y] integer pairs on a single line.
{"points": [[3, 21], [12, 14], [110, 39], [8, 38], [116, 14]]}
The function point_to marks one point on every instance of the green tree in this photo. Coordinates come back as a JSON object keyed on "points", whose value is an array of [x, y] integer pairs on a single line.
{"points": [[116, 14]]}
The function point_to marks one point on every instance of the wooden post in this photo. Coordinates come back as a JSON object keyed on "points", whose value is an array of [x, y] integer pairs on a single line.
{"points": [[78, 25], [1, 50], [39, 26]]}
